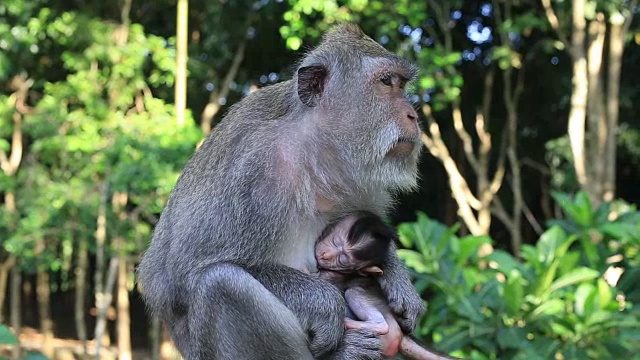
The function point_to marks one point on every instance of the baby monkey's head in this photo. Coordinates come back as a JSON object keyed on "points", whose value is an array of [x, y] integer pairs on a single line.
{"points": [[357, 242]]}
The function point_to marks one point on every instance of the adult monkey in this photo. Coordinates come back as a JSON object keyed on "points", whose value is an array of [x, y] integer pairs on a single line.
{"points": [[250, 204]]}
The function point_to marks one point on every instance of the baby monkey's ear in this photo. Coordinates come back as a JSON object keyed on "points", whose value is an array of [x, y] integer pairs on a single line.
{"points": [[370, 270]]}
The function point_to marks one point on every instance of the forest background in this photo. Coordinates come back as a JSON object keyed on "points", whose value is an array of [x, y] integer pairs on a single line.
{"points": [[523, 238]]}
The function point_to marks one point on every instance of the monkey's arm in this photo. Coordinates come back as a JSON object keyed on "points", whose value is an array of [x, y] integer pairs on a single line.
{"points": [[400, 293], [320, 308]]}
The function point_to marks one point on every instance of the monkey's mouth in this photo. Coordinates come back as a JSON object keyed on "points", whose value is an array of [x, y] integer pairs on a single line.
{"points": [[404, 146], [406, 139]]}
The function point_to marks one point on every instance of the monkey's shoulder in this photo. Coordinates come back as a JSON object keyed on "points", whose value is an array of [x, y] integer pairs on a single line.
{"points": [[268, 103]]}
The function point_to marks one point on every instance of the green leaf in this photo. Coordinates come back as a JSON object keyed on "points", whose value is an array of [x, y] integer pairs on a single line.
{"points": [[599, 320], [590, 250], [294, 43], [584, 210], [453, 57], [546, 279], [577, 276], [561, 329], [576, 209], [605, 295], [456, 340], [427, 82], [506, 262], [7, 337], [514, 292], [552, 244], [413, 260], [512, 338], [569, 262], [584, 299], [469, 246], [548, 308], [406, 234], [35, 356], [618, 230]]}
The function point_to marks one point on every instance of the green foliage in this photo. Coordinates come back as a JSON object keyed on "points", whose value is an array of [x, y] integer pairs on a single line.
{"points": [[560, 161], [8, 338], [629, 143], [609, 236], [438, 63], [98, 123], [100, 112], [34, 355], [488, 304], [603, 231]]}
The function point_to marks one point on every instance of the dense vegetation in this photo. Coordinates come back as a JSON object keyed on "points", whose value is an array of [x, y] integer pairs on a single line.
{"points": [[532, 146]]}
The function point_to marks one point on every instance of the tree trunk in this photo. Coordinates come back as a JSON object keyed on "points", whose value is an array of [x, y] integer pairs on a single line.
{"points": [[16, 276], [101, 239], [167, 350], [155, 331], [577, 114], [16, 309], [123, 325], [595, 166], [596, 128], [81, 289], [5, 267], [213, 106], [43, 292], [182, 19], [616, 50], [9, 165], [101, 335]]}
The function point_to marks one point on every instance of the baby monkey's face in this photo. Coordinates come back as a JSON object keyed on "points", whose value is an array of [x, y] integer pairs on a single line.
{"points": [[334, 252]]}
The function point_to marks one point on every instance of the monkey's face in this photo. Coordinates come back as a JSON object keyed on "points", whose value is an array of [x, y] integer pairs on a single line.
{"points": [[395, 145], [333, 252], [363, 115], [344, 249]]}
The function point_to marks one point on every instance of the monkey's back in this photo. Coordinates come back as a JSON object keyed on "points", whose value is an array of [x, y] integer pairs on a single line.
{"points": [[223, 204]]}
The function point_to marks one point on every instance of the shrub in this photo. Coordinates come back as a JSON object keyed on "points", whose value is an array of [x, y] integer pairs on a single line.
{"points": [[554, 303]]}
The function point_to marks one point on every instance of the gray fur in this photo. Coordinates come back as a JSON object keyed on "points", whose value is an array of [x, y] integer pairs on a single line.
{"points": [[222, 270]]}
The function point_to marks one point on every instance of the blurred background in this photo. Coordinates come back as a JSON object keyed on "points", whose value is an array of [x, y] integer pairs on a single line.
{"points": [[523, 237]]}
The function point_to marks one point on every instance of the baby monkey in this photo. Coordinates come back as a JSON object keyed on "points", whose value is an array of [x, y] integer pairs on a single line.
{"points": [[350, 253]]}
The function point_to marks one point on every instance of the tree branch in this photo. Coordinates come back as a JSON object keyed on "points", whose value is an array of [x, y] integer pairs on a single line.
{"points": [[213, 106], [459, 187], [17, 100], [629, 19], [553, 21]]}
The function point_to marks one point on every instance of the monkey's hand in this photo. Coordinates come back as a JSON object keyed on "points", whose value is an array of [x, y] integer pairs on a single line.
{"points": [[401, 295], [359, 344], [404, 302]]}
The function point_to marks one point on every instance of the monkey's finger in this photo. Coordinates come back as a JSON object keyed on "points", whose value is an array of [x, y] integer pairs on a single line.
{"points": [[407, 315], [365, 344]]}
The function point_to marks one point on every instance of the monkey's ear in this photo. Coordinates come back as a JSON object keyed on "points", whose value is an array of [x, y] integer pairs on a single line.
{"points": [[371, 270], [311, 80]]}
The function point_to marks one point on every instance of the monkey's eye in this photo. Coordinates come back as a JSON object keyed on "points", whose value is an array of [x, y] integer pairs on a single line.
{"points": [[386, 80]]}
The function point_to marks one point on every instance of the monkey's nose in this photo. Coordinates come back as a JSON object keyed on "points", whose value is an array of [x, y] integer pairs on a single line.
{"points": [[412, 115]]}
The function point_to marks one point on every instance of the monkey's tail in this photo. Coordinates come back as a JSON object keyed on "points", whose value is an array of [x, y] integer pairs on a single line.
{"points": [[413, 350]]}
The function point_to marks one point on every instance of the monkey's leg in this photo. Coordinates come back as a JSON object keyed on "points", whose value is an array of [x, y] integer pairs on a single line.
{"points": [[364, 308], [320, 308], [415, 351], [233, 316], [378, 328]]}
